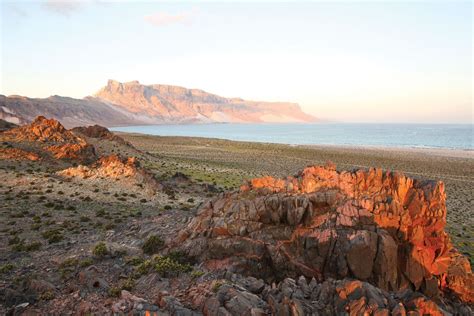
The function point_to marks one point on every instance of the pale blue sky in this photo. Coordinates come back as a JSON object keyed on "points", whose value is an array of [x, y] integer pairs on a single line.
{"points": [[350, 61]]}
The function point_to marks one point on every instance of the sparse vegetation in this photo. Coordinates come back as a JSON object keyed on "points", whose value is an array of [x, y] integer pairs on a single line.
{"points": [[6, 268], [152, 245], [100, 250]]}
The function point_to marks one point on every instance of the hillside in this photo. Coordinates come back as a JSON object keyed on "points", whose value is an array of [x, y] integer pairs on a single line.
{"points": [[131, 103]]}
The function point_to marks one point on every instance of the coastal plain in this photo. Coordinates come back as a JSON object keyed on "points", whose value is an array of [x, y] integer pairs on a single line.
{"points": [[228, 163]]}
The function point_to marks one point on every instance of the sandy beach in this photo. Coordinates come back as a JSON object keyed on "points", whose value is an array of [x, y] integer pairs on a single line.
{"points": [[228, 163]]}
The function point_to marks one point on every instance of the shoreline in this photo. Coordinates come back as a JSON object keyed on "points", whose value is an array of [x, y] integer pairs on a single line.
{"points": [[430, 151]]}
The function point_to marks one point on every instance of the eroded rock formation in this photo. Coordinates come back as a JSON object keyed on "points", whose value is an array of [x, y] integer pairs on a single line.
{"points": [[18, 154], [100, 132], [378, 227], [114, 167], [250, 296], [52, 137]]}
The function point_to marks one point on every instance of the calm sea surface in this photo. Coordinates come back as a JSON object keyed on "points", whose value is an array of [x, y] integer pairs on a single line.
{"points": [[458, 136]]}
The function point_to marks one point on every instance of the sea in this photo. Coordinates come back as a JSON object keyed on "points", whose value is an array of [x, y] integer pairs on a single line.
{"points": [[448, 136]]}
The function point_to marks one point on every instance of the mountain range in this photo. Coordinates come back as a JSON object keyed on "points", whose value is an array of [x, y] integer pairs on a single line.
{"points": [[132, 103]]}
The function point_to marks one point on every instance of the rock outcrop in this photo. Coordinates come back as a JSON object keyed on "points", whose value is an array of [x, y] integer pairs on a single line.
{"points": [[237, 295], [114, 167], [378, 227], [52, 137], [4, 125], [18, 154], [99, 132]]}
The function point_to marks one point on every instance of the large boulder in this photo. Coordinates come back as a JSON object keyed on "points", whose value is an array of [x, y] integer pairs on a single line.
{"points": [[379, 227]]}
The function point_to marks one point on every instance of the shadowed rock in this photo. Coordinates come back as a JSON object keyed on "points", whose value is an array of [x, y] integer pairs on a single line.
{"points": [[100, 132], [379, 227]]}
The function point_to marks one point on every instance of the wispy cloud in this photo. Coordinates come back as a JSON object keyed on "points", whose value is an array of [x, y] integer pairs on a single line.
{"points": [[18, 11], [163, 18], [63, 7]]}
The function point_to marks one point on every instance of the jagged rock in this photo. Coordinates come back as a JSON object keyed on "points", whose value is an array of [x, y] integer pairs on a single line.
{"points": [[80, 151], [91, 279], [18, 154], [114, 167], [174, 306], [53, 138], [100, 132], [41, 130], [331, 297], [379, 227]]}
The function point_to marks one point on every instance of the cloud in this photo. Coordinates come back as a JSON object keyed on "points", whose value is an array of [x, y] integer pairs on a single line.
{"points": [[163, 18], [18, 11], [63, 7]]}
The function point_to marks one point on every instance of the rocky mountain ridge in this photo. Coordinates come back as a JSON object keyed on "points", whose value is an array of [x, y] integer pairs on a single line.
{"points": [[131, 103]]}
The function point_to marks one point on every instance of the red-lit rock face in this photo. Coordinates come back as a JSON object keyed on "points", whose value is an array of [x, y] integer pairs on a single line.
{"points": [[375, 226], [42, 130], [53, 138], [18, 154], [114, 167]]}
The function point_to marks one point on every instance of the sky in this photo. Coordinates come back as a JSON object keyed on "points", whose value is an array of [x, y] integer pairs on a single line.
{"points": [[349, 61]]}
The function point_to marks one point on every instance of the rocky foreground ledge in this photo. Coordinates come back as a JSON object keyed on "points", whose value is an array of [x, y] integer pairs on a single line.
{"points": [[103, 234], [379, 234]]}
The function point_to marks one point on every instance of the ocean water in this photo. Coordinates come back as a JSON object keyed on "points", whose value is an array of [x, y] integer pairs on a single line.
{"points": [[451, 136]]}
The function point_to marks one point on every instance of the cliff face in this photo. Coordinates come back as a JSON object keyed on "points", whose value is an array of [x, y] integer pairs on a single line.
{"points": [[170, 103], [122, 104]]}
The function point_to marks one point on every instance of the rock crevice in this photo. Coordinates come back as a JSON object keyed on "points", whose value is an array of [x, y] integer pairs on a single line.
{"points": [[379, 227]]}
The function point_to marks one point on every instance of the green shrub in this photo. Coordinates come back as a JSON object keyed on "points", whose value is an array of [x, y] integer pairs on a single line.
{"points": [[53, 236], [100, 250], [167, 266], [69, 262], [21, 246], [135, 260], [100, 213], [6, 268], [35, 226], [152, 245], [217, 285], [197, 273], [127, 284], [115, 291], [47, 296], [13, 241], [144, 267], [86, 262], [33, 246]]}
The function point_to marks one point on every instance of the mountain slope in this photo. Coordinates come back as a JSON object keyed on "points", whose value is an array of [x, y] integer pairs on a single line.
{"points": [[122, 104], [71, 112], [177, 103]]}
